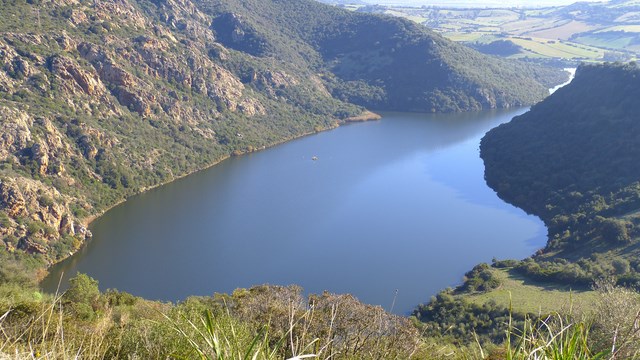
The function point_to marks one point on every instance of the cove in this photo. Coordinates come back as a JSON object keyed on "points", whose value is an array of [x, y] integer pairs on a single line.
{"points": [[398, 204]]}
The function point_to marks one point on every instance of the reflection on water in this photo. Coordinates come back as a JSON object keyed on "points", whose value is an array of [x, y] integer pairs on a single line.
{"points": [[399, 203]]}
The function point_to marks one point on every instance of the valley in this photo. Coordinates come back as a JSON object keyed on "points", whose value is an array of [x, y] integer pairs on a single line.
{"points": [[108, 104]]}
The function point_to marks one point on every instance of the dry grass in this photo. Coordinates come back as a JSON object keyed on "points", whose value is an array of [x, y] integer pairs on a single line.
{"points": [[46, 336]]}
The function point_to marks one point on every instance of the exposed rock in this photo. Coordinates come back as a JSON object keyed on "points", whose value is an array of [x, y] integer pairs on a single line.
{"points": [[275, 79], [88, 149], [21, 67], [53, 138], [11, 199], [119, 9], [115, 75], [39, 154], [15, 131], [67, 226], [133, 101], [31, 247], [82, 231], [57, 168], [224, 88], [106, 67], [68, 69], [6, 82], [39, 203], [251, 107], [65, 42], [77, 17]]}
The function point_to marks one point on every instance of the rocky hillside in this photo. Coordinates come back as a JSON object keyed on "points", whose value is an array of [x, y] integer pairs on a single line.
{"points": [[572, 160], [103, 99]]}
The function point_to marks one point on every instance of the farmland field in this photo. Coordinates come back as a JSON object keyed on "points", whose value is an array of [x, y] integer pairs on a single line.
{"points": [[583, 32]]}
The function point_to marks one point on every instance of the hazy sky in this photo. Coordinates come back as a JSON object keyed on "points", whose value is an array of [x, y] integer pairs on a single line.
{"points": [[479, 3]]}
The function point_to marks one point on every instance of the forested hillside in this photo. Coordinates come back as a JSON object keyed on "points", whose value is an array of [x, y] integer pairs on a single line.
{"points": [[572, 160], [103, 99], [378, 61]]}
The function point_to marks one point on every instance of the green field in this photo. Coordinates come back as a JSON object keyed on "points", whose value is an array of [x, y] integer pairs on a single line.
{"points": [[558, 49], [575, 34], [526, 296]]}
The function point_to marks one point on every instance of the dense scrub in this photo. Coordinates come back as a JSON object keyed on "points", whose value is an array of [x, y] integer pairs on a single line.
{"points": [[572, 161], [379, 61], [269, 322], [273, 322]]}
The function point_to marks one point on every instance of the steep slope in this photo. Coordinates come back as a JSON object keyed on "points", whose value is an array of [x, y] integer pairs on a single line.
{"points": [[572, 160], [103, 99], [377, 61]]}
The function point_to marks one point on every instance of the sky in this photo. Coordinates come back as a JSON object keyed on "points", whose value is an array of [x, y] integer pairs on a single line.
{"points": [[478, 3]]}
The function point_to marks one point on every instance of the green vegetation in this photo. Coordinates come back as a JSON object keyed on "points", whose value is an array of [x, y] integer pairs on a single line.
{"points": [[571, 161], [271, 322], [375, 61], [266, 322], [595, 31], [96, 107], [529, 320], [526, 296]]}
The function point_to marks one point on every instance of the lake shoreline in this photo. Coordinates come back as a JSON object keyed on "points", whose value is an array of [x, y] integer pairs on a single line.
{"points": [[352, 157], [365, 116]]}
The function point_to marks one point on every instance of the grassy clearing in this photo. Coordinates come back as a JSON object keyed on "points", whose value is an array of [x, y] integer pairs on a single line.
{"points": [[524, 26], [606, 40], [557, 49], [466, 37], [631, 16], [526, 296], [414, 18], [625, 28], [563, 32]]}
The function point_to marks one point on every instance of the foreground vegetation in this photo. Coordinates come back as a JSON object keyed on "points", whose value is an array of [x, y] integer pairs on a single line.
{"points": [[262, 322], [272, 322], [588, 324]]}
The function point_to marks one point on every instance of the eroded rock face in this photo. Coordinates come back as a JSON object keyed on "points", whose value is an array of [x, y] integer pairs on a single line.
{"points": [[89, 116], [39, 153], [45, 214], [11, 199], [15, 131], [69, 70]]}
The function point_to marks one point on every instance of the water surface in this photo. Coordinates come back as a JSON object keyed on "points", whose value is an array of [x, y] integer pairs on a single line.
{"points": [[397, 204]]}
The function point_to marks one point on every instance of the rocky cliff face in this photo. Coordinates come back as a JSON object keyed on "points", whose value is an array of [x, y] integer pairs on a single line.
{"points": [[102, 99]]}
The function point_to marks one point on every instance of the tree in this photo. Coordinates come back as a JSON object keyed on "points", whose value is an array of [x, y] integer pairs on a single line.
{"points": [[82, 290]]}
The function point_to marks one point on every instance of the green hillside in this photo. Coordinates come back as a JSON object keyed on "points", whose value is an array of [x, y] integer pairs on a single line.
{"points": [[377, 61], [572, 161]]}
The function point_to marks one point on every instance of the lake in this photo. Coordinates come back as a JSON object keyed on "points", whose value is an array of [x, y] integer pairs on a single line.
{"points": [[396, 204]]}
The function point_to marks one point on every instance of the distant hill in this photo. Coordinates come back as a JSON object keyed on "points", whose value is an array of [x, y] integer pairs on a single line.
{"points": [[377, 61], [572, 160]]}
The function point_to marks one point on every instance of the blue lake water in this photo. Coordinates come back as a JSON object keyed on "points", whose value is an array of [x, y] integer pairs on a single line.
{"points": [[396, 204]]}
